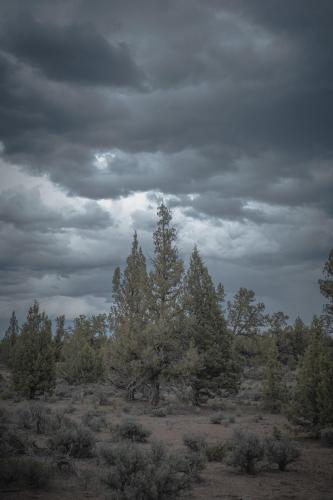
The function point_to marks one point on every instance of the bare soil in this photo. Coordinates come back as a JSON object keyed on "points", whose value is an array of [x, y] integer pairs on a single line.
{"points": [[310, 478]]}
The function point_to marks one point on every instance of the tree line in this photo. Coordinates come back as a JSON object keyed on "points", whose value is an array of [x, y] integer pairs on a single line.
{"points": [[171, 325]]}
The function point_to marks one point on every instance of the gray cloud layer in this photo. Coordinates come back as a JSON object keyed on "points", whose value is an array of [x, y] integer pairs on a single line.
{"points": [[225, 107]]}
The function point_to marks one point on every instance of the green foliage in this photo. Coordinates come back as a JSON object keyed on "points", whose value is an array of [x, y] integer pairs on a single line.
{"points": [[326, 288], [82, 353], [153, 474], [129, 316], [41, 420], [246, 317], [246, 451], [33, 364], [326, 437], [59, 337], [131, 430], [313, 400], [195, 442], [163, 336], [94, 420], [216, 452], [207, 333], [25, 472], [216, 418], [9, 340], [274, 388], [281, 451], [77, 442]]}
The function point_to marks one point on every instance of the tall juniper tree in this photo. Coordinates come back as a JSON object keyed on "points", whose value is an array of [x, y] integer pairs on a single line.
{"points": [[9, 340], [313, 398], [163, 342], [33, 361], [207, 332], [129, 316]]}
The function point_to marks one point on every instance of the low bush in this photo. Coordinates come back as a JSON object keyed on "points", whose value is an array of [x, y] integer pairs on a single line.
{"points": [[24, 472], [246, 451], [77, 442], [215, 452], [131, 430], [195, 442], [326, 437], [154, 474], [41, 420], [94, 421], [159, 412], [281, 451], [216, 418], [11, 442]]}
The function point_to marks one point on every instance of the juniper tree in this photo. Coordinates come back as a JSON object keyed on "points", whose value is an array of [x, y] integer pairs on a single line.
{"points": [[129, 316], [325, 388], [9, 340], [59, 337], [207, 331], [163, 343], [83, 353], [245, 315], [298, 338], [33, 361], [326, 288], [274, 388], [313, 397]]}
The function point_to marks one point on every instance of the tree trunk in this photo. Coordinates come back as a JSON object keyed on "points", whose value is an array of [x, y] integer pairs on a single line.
{"points": [[155, 392]]}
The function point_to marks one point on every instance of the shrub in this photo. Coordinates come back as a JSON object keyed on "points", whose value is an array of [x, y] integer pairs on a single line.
{"points": [[11, 443], [154, 474], [33, 365], [26, 472], [215, 452], [76, 442], [246, 450], [131, 430], [216, 419], [41, 420], [159, 412], [326, 436], [281, 451], [94, 421], [195, 442]]}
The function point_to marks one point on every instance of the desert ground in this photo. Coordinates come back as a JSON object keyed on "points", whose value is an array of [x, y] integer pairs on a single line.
{"points": [[309, 478]]}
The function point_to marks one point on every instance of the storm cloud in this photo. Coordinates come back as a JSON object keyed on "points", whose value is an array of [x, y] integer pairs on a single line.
{"points": [[224, 109]]}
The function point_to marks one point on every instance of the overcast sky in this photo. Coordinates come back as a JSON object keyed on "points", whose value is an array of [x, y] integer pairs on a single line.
{"points": [[223, 108]]}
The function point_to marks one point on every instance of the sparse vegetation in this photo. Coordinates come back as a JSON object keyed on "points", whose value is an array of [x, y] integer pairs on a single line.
{"points": [[148, 474], [131, 430], [246, 451], [280, 450], [76, 442]]}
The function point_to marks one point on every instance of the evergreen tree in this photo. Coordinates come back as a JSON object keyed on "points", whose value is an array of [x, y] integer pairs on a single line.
{"points": [[313, 395], [325, 389], [299, 337], [59, 337], [246, 317], [83, 351], [129, 316], [274, 388], [207, 332], [9, 340], [326, 288], [33, 362], [163, 342]]}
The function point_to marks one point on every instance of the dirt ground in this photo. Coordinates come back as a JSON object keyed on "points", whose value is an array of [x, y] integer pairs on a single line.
{"points": [[310, 478]]}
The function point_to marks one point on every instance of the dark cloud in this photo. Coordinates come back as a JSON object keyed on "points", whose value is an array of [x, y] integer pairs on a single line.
{"points": [[75, 53], [26, 210], [224, 108]]}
